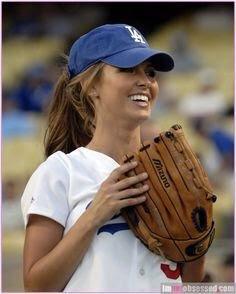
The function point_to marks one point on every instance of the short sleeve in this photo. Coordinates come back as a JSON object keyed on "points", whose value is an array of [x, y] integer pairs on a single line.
{"points": [[46, 192]]}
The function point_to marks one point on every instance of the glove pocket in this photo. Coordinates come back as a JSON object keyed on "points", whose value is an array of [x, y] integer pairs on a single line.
{"points": [[193, 249], [181, 250]]}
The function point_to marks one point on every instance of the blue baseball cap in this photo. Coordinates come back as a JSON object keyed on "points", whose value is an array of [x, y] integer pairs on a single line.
{"points": [[119, 45]]}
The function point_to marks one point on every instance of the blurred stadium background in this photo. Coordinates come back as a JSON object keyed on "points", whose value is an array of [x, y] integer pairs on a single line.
{"points": [[199, 94]]}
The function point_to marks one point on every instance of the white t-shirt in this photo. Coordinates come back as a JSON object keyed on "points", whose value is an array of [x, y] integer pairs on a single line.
{"points": [[61, 188]]}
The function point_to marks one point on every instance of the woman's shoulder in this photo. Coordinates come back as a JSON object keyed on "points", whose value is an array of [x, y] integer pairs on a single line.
{"points": [[56, 161], [60, 161], [80, 159], [47, 189], [59, 157]]}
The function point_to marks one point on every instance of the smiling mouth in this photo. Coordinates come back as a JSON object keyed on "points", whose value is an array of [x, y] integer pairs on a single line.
{"points": [[140, 100], [139, 97]]}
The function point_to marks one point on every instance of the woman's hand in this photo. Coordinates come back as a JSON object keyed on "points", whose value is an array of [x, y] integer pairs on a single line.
{"points": [[193, 271], [113, 194]]}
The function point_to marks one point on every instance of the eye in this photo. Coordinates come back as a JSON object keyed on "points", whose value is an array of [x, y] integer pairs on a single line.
{"points": [[151, 72]]}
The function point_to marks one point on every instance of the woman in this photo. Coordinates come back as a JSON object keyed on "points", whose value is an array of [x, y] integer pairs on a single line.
{"points": [[76, 239]]}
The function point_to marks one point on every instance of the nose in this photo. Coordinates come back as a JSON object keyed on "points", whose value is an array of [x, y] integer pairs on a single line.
{"points": [[143, 80]]}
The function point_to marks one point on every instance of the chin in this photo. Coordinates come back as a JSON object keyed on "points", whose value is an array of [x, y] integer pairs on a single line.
{"points": [[141, 117], [145, 113], [136, 117]]}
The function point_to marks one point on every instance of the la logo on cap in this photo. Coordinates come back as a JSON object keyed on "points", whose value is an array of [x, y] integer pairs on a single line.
{"points": [[135, 35]]}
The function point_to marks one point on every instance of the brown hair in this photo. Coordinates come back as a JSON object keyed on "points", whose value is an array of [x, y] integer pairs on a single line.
{"points": [[71, 112]]}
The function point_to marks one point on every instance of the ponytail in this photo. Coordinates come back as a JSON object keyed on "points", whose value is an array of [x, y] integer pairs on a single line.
{"points": [[71, 112]]}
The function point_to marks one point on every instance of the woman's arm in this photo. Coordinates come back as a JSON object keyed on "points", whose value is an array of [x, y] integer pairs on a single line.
{"points": [[50, 258], [193, 271]]}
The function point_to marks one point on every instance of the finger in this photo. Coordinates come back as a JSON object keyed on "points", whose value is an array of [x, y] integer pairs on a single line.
{"points": [[127, 182], [131, 192], [132, 201], [115, 175]]}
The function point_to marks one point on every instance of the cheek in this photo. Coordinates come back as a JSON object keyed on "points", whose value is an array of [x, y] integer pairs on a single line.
{"points": [[113, 90], [155, 91], [108, 99]]}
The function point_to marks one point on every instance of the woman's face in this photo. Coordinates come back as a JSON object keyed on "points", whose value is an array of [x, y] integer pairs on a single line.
{"points": [[126, 94]]}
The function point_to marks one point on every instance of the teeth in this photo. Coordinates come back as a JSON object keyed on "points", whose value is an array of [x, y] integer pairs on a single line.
{"points": [[139, 97]]}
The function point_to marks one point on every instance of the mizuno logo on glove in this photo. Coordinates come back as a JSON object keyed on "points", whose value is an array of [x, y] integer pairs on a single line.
{"points": [[161, 173]]}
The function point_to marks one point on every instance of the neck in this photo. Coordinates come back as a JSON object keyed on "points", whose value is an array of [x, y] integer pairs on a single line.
{"points": [[115, 142]]}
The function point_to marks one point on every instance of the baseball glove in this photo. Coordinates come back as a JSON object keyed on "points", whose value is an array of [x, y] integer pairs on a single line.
{"points": [[176, 219]]}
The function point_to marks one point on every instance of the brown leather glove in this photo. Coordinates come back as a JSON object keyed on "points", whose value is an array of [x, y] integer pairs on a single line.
{"points": [[176, 219]]}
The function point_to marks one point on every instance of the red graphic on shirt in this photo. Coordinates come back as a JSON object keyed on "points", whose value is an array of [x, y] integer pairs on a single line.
{"points": [[171, 274]]}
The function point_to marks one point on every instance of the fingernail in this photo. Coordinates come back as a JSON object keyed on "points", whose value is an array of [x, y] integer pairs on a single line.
{"points": [[144, 174], [145, 186]]}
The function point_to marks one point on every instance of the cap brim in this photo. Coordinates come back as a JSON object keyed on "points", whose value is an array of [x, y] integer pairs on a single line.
{"points": [[133, 57]]}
